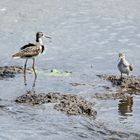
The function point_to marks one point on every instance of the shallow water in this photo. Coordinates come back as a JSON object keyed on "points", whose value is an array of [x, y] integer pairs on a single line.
{"points": [[86, 38]]}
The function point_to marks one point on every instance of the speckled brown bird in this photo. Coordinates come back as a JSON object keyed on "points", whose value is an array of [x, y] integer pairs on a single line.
{"points": [[31, 50]]}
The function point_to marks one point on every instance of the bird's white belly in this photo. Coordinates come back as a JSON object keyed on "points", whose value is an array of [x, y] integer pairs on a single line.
{"points": [[123, 69]]}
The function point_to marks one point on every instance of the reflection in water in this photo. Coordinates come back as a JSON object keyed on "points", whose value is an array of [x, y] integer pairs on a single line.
{"points": [[34, 82], [125, 106], [25, 81]]}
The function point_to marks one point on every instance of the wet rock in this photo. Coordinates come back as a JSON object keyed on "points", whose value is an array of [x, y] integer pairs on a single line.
{"points": [[75, 105], [81, 84], [10, 71], [107, 96], [67, 103], [106, 87], [5, 73], [41, 98], [77, 84], [129, 83]]}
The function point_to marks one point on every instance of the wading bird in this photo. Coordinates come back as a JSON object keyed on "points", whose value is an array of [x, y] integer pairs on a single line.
{"points": [[123, 65], [31, 50]]}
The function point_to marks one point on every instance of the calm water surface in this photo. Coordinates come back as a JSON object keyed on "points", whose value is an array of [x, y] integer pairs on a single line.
{"points": [[84, 33]]}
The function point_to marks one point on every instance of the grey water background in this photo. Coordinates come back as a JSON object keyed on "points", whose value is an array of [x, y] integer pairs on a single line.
{"points": [[86, 38]]}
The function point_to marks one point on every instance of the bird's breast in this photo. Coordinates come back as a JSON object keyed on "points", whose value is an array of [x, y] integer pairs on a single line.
{"points": [[42, 48]]}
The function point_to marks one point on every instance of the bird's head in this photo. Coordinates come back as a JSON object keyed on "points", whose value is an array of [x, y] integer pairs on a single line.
{"points": [[121, 55], [41, 34]]}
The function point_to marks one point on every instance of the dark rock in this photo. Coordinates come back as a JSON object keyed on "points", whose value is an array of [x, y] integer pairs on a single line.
{"points": [[77, 84], [67, 103], [32, 98], [10, 71], [75, 105], [81, 84]]}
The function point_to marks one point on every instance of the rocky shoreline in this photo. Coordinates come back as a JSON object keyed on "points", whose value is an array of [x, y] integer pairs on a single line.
{"points": [[72, 104], [127, 82]]}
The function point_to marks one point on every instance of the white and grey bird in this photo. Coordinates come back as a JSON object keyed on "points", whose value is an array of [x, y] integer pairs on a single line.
{"points": [[123, 65], [31, 50]]}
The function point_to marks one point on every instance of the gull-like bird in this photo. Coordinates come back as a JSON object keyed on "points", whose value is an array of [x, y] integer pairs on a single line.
{"points": [[123, 65]]}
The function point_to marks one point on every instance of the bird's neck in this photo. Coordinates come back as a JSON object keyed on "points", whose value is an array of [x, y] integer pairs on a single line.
{"points": [[123, 59], [39, 40]]}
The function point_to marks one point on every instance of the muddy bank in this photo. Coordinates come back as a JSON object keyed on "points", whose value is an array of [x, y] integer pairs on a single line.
{"points": [[129, 83], [11, 71], [67, 103]]}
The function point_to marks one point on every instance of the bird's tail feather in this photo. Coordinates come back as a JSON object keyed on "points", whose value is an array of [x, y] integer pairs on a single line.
{"points": [[130, 67], [17, 55]]}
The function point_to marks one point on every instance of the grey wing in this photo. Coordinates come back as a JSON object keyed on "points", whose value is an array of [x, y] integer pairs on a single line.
{"points": [[119, 64], [126, 64]]}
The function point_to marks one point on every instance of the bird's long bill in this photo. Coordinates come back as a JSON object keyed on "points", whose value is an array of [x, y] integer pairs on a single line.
{"points": [[48, 37]]}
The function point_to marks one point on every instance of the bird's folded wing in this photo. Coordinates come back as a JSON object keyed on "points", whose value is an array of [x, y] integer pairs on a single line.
{"points": [[28, 52], [126, 64], [27, 45]]}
